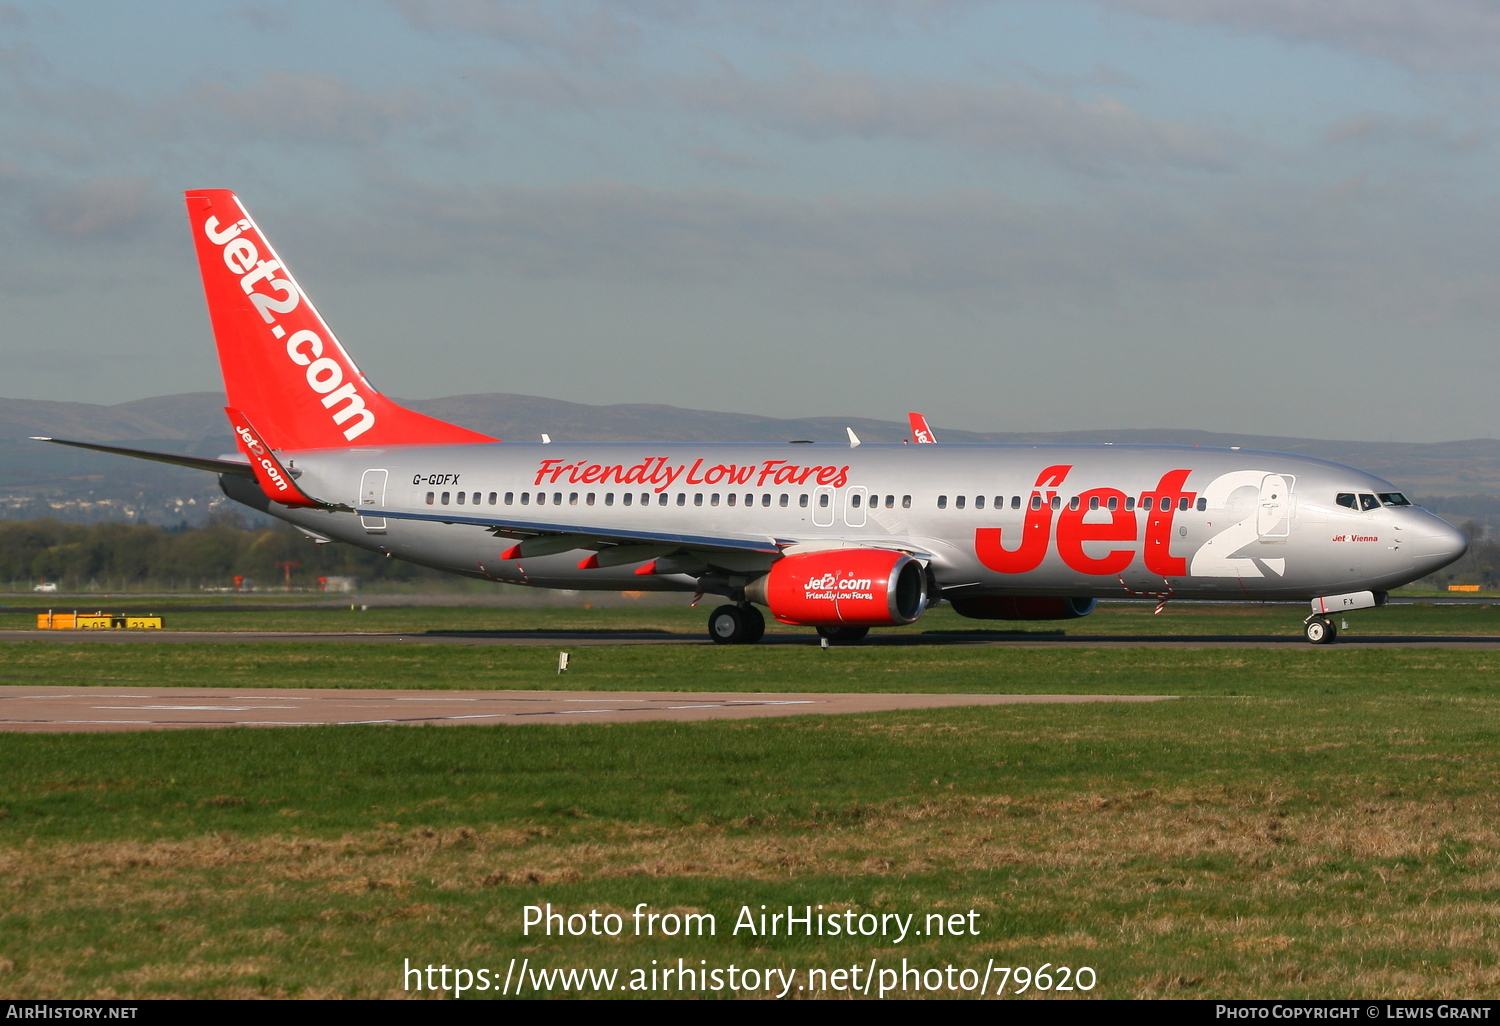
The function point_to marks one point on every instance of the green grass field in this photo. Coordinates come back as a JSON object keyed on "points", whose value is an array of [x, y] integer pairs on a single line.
{"points": [[1109, 618], [1303, 822]]}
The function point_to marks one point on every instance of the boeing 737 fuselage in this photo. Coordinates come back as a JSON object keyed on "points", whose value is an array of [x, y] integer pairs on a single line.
{"points": [[840, 538]]}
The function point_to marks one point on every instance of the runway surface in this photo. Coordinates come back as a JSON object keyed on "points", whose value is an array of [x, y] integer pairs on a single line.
{"points": [[1020, 639], [75, 709]]}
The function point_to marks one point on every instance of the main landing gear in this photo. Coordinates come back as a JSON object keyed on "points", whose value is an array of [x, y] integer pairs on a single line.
{"points": [[1320, 630], [736, 625]]}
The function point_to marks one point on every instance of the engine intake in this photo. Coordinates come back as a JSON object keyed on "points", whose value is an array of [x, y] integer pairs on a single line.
{"points": [[843, 587], [1022, 607]]}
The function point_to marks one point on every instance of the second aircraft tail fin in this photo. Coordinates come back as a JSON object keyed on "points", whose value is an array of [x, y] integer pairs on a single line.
{"points": [[281, 363]]}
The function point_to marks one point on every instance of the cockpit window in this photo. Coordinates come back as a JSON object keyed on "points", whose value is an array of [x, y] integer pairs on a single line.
{"points": [[1394, 499], [1368, 502], [1347, 500]]}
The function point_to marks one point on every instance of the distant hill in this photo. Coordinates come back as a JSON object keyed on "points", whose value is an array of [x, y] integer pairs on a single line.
{"points": [[38, 480]]}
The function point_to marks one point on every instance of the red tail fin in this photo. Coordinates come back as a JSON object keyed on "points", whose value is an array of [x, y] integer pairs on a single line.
{"points": [[281, 364], [920, 432]]}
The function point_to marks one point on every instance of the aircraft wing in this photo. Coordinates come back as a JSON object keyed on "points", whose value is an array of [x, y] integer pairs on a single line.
{"points": [[195, 462], [534, 529]]}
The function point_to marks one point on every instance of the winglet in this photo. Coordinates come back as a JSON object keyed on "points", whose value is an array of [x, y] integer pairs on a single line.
{"points": [[920, 432], [274, 479], [853, 438]]}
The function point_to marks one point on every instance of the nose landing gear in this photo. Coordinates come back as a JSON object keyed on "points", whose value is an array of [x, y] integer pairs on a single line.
{"points": [[1320, 630]]}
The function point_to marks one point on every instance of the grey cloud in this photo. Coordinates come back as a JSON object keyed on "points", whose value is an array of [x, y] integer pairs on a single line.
{"points": [[1427, 35], [1382, 129], [267, 17], [1087, 135], [312, 108], [1261, 246], [724, 159], [111, 208], [588, 31], [1098, 135]]}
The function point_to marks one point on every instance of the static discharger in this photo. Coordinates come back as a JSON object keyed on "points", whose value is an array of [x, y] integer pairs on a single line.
{"points": [[562, 661], [76, 621]]}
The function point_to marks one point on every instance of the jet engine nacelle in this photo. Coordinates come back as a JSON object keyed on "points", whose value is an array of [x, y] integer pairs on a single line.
{"points": [[1023, 607], [843, 587]]}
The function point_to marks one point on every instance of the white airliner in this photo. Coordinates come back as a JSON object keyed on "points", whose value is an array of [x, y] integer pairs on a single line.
{"points": [[840, 538]]}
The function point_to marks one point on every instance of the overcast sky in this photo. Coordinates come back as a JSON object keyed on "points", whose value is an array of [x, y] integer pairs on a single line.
{"points": [[1270, 216]]}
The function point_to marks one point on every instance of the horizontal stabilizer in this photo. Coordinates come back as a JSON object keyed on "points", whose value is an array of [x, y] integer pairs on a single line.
{"points": [[195, 462]]}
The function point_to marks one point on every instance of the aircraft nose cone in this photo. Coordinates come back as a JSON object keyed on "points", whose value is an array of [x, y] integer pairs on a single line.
{"points": [[1436, 543]]}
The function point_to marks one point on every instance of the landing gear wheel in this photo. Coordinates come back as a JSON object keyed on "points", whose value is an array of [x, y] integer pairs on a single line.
{"points": [[728, 625], [755, 625], [1320, 631], [843, 635]]}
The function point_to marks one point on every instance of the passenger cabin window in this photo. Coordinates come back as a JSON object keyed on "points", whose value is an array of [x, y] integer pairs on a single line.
{"points": [[682, 498], [906, 502], [1166, 503], [1114, 503], [1093, 502], [510, 498], [661, 500], [609, 498], [572, 498], [1393, 499], [942, 502], [802, 500], [979, 502], [765, 500], [445, 498], [429, 498], [1183, 503], [785, 498], [1036, 502], [493, 497], [733, 498], [589, 498], [697, 498], [890, 502], [460, 498], [557, 498], [1368, 502], [958, 503], [1202, 505], [823, 501], [1057, 502], [1129, 503], [1015, 502], [1347, 500], [627, 499], [713, 500]]}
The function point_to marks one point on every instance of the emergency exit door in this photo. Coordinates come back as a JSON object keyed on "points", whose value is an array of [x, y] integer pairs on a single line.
{"points": [[372, 493]]}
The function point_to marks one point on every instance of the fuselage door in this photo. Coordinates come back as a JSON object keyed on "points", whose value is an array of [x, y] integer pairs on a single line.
{"points": [[372, 493], [854, 506], [1273, 519], [823, 507]]}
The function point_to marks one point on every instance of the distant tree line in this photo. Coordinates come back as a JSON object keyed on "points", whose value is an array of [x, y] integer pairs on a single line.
{"points": [[115, 555]]}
